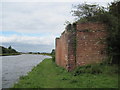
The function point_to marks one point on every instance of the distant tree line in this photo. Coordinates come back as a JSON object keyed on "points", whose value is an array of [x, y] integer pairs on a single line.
{"points": [[45, 53], [41, 53]]}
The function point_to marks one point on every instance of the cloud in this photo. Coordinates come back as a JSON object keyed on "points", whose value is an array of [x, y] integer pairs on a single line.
{"points": [[45, 20], [49, 40], [25, 17], [55, 0], [21, 47], [36, 17]]}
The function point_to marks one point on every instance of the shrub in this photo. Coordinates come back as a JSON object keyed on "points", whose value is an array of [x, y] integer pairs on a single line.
{"points": [[53, 55], [96, 69], [92, 69]]}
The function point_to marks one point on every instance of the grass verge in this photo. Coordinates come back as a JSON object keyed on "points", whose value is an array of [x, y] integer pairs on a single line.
{"points": [[48, 75]]}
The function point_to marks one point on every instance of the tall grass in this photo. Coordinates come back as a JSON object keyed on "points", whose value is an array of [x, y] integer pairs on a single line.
{"points": [[100, 68]]}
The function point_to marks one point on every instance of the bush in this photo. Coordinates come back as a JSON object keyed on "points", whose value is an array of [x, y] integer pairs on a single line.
{"points": [[53, 55], [100, 68], [96, 69], [53, 58], [91, 69]]}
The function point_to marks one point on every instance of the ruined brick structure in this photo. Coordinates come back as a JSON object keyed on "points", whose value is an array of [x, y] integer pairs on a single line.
{"points": [[81, 44]]}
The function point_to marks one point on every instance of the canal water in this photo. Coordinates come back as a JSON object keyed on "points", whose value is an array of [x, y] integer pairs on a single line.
{"points": [[15, 66]]}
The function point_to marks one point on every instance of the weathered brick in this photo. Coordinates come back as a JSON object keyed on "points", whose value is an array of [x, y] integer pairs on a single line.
{"points": [[82, 45]]}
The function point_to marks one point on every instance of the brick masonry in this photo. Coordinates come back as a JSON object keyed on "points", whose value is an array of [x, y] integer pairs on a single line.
{"points": [[81, 44]]}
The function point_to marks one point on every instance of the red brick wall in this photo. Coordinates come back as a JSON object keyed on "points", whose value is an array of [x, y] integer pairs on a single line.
{"points": [[62, 50], [71, 50], [83, 46], [57, 51], [90, 45]]}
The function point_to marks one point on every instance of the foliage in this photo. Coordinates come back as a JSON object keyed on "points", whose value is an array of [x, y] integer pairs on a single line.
{"points": [[110, 17], [114, 31], [9, 47], [114, 8], [8, 51], [30, 52], [101, 68], [38, 53], [48, 75], [53, 55], [112, 20], [44, 53], [86, 11], [67, 22]]}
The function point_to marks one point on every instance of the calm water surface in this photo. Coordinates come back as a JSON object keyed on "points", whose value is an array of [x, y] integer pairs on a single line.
{"points": [[15, 66]]}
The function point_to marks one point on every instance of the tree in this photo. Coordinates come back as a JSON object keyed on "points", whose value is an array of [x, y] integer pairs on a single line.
{"points": [[9, 47], [8, 50], [53, 55], [87, 11], [11, 50], [114, 8], [3, 50], [110, 17], [67, 22], [114, 31]]}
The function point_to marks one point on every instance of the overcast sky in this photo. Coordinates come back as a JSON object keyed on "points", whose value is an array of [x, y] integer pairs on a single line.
{"points": [[33, 25]]}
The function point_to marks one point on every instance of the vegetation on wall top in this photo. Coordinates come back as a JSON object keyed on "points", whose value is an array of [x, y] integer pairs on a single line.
{"points": [[109, 16]]}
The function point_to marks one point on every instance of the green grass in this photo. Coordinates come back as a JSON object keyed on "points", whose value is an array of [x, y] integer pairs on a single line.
{"points": [[48, 75]]}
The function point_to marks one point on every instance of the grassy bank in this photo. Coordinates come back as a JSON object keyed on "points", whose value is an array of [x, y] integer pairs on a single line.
{"points": [[48, 75]]}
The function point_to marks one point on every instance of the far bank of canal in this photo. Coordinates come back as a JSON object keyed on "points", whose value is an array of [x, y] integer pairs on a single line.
{"points": [[15, 66]]}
